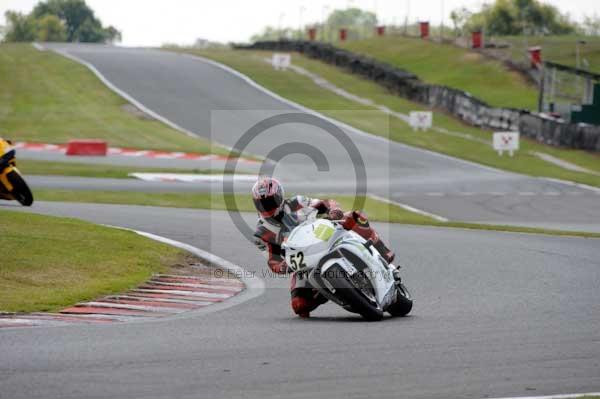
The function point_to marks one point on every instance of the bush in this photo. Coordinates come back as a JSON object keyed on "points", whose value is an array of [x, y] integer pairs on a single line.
{"points": [[20, 27], [59, 20], [513, 17], [51, 29]]}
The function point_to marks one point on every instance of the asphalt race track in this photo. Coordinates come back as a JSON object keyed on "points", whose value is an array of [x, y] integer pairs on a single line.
{"points": [[217, 104], [496, 314]]}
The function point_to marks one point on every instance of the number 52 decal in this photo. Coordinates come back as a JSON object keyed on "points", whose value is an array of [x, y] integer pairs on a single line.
{"points": [[297, 260]]}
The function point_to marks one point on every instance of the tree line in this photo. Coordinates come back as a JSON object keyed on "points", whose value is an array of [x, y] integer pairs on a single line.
{"points": [[498, 18], [58, 21], [515, 17]]}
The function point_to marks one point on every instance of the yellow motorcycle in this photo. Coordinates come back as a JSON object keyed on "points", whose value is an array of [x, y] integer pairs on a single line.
{"points": [[12, 185]]}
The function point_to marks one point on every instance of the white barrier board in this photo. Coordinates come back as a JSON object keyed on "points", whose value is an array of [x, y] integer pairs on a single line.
{"points": [[506, 141], [281, 60], [420, 120]]}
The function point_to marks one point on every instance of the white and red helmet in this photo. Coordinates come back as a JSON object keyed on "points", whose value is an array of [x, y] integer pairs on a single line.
{"points": [[268, 196]]}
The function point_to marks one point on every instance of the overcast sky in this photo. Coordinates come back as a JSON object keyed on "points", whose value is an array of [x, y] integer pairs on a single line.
{"points": [[154, 22]]}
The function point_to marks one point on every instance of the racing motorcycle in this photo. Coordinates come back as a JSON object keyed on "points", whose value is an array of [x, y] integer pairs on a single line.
{"points": [[345, 268], [12, 185]]}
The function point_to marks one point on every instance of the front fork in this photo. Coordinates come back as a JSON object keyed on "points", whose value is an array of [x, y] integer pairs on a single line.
{"points": [[4, 178], [7, 165]]}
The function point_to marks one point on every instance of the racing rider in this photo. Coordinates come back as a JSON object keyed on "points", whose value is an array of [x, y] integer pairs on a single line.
{"points": [[270, 202]]}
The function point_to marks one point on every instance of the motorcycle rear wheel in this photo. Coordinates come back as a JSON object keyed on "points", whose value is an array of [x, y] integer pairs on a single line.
{"points": [[351, 295], [21, 191]]}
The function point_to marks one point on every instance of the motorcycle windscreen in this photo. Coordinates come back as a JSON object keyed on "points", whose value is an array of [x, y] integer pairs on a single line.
{"points": [[6, 158]]}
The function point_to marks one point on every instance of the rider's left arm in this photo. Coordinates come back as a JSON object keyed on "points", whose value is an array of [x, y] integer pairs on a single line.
{"points": [[330, 207]]}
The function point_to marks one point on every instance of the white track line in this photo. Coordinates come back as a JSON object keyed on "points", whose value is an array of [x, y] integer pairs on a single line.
{"points": [[252, 83], [369, 135], [359, 132], [565, 396], [38, 46], [143, 299], [286, 101], [130, 98], [220, 280], [17, 321], [410, 208], [111, 305], [255, 286], [189, 285], [572, 184], [562, 163], [198, 294], [191, 177], [324, 83]]}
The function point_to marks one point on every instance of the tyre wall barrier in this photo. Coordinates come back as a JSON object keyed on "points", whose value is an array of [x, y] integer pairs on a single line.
{"points": [[457, 102]]}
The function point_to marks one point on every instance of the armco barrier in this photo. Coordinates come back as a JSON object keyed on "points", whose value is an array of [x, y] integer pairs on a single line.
{"points": [[558, 133], [457, 102], [87, 147]]}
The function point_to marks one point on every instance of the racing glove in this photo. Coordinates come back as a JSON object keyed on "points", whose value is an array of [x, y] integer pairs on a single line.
{"points": [[324, 206], [260, 244], [278, 266], [335, 214]]}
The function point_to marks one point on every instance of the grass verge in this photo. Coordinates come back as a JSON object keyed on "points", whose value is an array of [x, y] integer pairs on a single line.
{"points": [[48, 98], [452, 66], [303, 90], [561, 49], [50, 168], [375, 209], [45, 269]]}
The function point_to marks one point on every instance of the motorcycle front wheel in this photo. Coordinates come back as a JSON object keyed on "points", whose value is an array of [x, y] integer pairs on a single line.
{"points": [[349, 293], [21, 191], [403, 304]]}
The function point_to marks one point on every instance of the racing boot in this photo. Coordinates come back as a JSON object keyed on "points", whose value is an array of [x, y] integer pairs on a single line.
{"points": [[305, 300], [387, 253], [358, 222]]}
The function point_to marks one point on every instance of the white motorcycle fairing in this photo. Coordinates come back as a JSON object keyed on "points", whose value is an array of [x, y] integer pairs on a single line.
{"points": [[312, 241]]}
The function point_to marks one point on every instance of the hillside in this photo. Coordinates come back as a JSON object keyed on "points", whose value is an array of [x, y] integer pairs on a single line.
{"points": [[48, 98], [561, 49], [452, 66], [461, 141]]}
